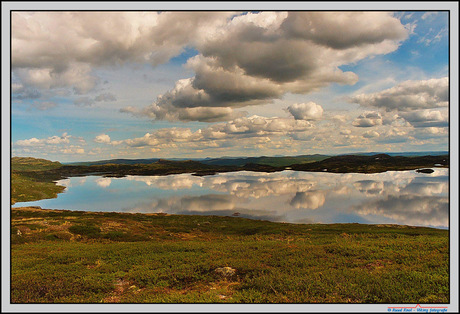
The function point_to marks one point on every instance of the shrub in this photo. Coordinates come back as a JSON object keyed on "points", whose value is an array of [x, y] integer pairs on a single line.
{"points": [[86, 230]]}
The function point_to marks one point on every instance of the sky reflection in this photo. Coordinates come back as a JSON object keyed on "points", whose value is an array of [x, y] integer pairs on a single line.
{"points": [[403, 197]]}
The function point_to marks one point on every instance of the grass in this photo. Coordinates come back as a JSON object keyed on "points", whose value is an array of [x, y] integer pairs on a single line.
{"points": [[83, 257], [26, 182], [26, 189]]}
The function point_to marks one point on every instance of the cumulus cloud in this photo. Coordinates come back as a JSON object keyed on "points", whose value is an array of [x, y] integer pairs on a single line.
{"points": [[258, 57], [326, 28], [408, 96], [59, 49], [64, 138], [426, 118], [371, 134], [306, 111], [220, 134], [368, 119], [64, 144], [102, 138]]}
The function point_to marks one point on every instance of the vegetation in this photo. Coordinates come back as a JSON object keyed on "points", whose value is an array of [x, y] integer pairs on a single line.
{"points": [[27, 181], [73, 257], [374, 163]]}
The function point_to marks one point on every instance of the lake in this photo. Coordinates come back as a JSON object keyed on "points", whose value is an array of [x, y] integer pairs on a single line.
{"points": [[393, 197]]}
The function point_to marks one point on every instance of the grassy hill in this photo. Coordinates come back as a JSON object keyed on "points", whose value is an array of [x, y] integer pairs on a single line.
{"points": [[33, 164], [26, 182]]}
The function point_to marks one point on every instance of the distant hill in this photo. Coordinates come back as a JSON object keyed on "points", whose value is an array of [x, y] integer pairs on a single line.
{"points": [[263, 160], [373, 163], [404, 154], [275, 161], [115, 161], [281, 161]]}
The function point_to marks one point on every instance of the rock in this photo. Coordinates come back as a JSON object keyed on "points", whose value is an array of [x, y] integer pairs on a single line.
{"points": [[424, 170], [226, 271]]}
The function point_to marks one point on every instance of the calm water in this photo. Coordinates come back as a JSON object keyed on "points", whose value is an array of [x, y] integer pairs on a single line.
{"points": [[401, 197]]}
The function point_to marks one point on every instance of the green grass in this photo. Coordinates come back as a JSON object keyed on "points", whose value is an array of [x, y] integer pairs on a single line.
{"points": [[26, 189], [82, 257], [33, 164]]}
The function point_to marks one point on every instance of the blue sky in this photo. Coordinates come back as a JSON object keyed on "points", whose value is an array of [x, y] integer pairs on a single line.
{"points": [[191, 84]]}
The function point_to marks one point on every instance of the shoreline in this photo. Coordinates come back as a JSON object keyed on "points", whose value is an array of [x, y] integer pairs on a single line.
{"points": [[381, 225]]}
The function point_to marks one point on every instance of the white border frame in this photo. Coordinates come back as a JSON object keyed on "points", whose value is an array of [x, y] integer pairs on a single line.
{"points": [[237, 6]]}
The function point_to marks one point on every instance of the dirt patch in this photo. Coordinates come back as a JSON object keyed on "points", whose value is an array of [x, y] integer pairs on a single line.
{"points": [[120, 287]]}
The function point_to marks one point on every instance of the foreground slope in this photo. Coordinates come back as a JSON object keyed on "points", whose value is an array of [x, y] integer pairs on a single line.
{"points": [[83, 257]]}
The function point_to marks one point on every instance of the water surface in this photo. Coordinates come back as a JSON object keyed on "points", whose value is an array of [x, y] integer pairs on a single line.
{"points": [[393, 197]]}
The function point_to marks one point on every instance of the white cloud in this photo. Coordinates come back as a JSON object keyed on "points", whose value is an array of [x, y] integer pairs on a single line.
{"points": [[371, 134], [409, 95], [63, 139], [57, 49], [306, 111], [368, 119], [256, 58], [102, 138], [426, 118], [64, 144]]}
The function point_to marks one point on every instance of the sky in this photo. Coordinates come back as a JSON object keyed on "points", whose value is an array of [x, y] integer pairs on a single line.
{"points": [[103, 85]]}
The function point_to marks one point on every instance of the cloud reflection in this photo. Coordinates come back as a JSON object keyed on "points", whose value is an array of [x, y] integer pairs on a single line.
{"points": [[403, 197]]}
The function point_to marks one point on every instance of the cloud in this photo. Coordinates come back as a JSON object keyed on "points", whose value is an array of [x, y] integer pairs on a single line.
{"points": [[259, 57], [60, 49], [368, 119], [306, 111], [345, 30], [20, 92], [64, 144], [220, 134], [426, 118], [64, 138], [75, 75], [102, 138], [408, 96], [371, 134]]}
